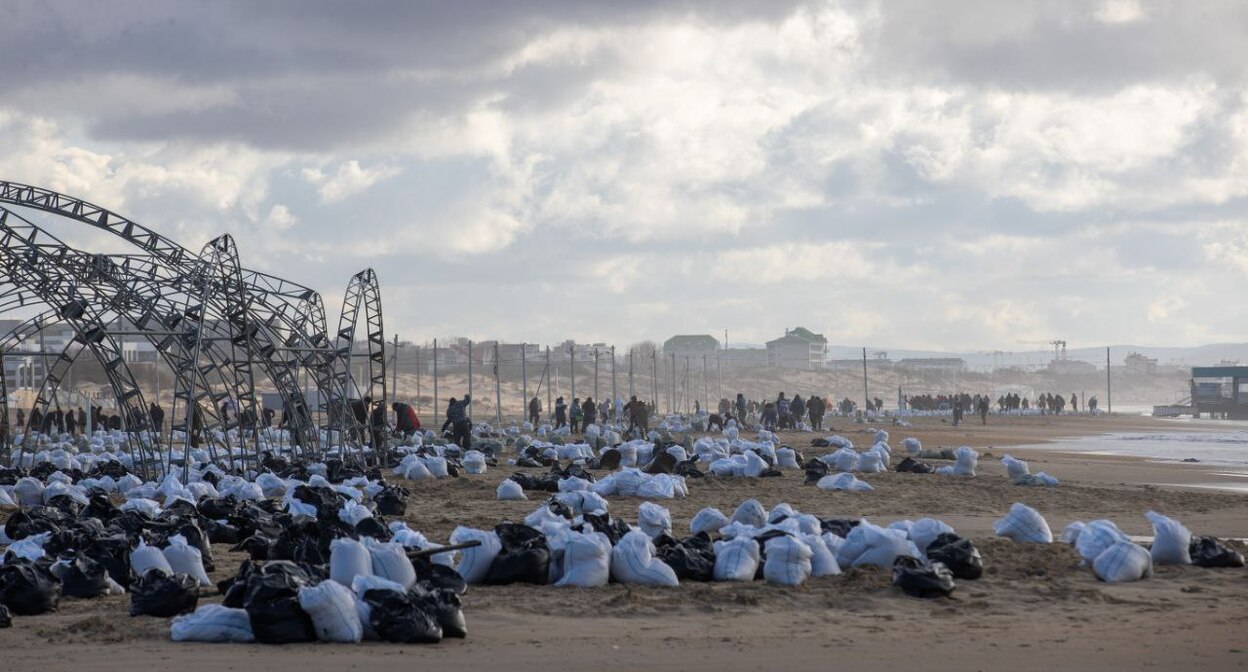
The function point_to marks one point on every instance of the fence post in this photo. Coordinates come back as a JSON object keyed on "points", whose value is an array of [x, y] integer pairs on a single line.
{"points": [[498, 390], [524, 384], [434, 412]]}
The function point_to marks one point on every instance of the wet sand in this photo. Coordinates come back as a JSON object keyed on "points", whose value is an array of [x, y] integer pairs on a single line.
{"points": [[1035, 607]]}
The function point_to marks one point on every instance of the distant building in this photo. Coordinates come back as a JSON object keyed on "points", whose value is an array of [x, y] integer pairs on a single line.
{"points": [[941, 365], [138, 351], [700, 344], [799, 348], [1137, 363], [510, 353], [1070, 367]]}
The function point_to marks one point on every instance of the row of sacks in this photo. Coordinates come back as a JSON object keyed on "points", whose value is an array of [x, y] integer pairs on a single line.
{"points": [[556, 546], [281, 602], [1112, 554], [1020, 473], [622, 483]]}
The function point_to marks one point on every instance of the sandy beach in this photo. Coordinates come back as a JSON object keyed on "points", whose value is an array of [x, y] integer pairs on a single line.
{"points": [[1035, 607]]}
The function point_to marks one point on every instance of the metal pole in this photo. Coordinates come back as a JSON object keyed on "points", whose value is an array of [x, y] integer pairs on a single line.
{"points": [[866, 396], [469, 378], [632, 388], [572, 366], [394, 375], [417, 404], [1109, 386], [704, 389], [498, 389], [672, 401], [550, 404], [524, 383], [719, 374], [596, 375], [434, 412], [614, 391], [654, 378]]}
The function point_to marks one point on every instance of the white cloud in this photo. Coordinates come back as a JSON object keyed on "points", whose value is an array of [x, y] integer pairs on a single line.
{"points": [[1120, 11], [348, 180]]}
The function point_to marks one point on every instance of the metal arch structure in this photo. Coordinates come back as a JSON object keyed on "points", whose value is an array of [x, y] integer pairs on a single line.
{"points": [[290, 316], [361, 301], [224, 330]]}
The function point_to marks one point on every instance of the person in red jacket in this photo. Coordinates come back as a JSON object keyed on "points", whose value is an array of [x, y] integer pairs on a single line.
{"points": [[406, 421]]}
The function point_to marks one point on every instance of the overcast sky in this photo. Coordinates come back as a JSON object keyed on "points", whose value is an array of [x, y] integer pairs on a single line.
{"points": [[944, 175]]}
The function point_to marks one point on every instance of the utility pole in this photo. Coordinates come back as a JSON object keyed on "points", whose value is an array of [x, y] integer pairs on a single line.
{"points": [[719, 374], [596, 374], [672, 401], [417, 404], [524, 382], [434, 413], [866, 396], [614, 392], [572, 366], [394, 374], [470, 378], [632, 389], [550, 404], [498, 390], [654, 377], [704, 388]]}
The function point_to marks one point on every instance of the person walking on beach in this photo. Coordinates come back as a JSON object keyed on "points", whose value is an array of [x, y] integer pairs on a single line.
{"points": [[535, 411], [983, 410], [957, 411], [561, 413], [589, 412], [577, 417], [1074, 402]]}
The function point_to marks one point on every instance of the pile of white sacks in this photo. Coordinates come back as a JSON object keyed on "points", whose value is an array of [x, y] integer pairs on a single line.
{"points": [[794, 546]]}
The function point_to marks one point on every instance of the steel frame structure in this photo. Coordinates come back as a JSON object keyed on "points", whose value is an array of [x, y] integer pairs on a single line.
{"points": [[224, 331]]}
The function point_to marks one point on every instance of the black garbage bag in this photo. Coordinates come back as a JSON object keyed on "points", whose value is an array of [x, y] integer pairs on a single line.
{"points": [[113, 553], [815, 470], [913, 466], [220, 508], [196, 538], [560, 509], [28, 589], [1209, 552], [819, 443], [272, 604], [402, 618], [299, 543], [614, 529], [220, 533], [689, 468], [24, 524], [958, 554], [392, 500], [432, 575], [178, 510], [66, 504], [257, 547], [446, 607], [158, 594], [692, 559], [525, 557], [83, 577], [838, 526], [917, 579], [373, 527], [6, 619]]}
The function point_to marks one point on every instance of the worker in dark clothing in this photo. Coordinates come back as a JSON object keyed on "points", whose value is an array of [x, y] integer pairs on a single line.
{"points": [[561, 413], [461, 426], [983, 410], [379, 426], [449, 405], [158, 417], [957, 412], [535, 411], [589, 411], [71, 423]]}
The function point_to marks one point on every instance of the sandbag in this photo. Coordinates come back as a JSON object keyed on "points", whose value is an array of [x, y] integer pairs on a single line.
{"points": [[654, 519], [81, 577], [185, 559], [843, 481], [524, 556], [1097, 536], [1123, 561], [144, 558], [1209, 552], [474, 563], [212, 623], [162, 595], [786, 458], [633, 561], [708, 520], [271, 598], [750, 512], [510, 491], [925, 530], [1023, 524], [401, 618], [389, 561], [28, 589], [967, 459], [822, 561], [788, 561], [845, 459], [360, 586], [957, 554], [736, 559], [586, 560], [912, 446], [1171, 541], [348, 559], [918, 579], [1014, 467], [869, 544], [692, 559], [331, 606]]}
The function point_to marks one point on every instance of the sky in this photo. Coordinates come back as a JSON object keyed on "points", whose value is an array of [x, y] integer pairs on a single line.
{"points": [[910, 174]]}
